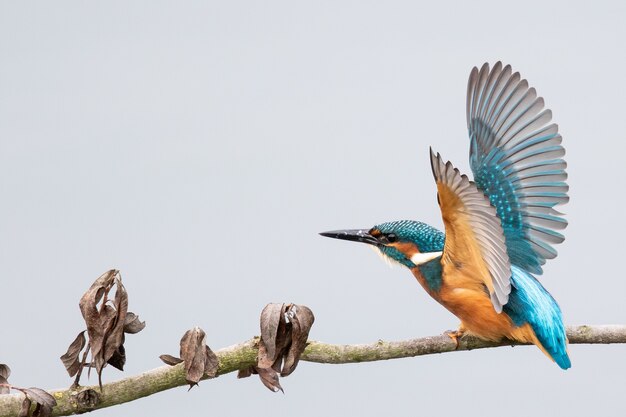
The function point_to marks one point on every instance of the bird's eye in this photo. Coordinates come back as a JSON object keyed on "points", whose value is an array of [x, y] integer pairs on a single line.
{"points": [[391, 237]]}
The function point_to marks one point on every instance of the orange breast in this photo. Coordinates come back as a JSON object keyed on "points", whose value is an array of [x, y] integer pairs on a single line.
{"points": [[471, 304]]}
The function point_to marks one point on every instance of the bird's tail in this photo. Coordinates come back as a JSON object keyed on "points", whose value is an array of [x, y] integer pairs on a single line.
{"points": [[538, 308]]}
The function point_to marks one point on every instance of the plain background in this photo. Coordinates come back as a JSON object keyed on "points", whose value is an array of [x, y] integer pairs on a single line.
{"points": [[200, 147]]}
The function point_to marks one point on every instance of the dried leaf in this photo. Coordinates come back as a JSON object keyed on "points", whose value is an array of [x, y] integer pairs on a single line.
{"points": [[25, 410], [283, 337], [132, 324], [271, 316], [119, 358], [40, 396], [45, 402], [211, 363], [4, 389], [244, 373], [5, 373], [263, 359], [115, 337], [275, 338], [269, 378], [193, 352], [101, 320], [42, 411], [284, 333], [105, 319], [170, 360], [302, 319], [70, 358]]}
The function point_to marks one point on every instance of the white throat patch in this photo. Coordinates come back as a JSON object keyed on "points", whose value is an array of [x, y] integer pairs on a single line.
{"points": [[388, 260], [422, 258]]}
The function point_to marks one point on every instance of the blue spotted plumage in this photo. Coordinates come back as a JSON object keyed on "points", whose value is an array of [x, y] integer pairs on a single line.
{"points": [[499, 229], [516, 158], [529, 302], [425, 237]]}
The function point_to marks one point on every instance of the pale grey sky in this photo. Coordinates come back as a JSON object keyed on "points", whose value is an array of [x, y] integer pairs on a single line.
{"points": [[200, 147]]}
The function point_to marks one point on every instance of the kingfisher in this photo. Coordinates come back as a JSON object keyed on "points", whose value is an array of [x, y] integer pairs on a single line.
{"points": [[500, 228]]}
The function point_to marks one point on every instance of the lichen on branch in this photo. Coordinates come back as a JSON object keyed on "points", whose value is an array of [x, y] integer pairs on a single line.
{"points": [[244, 355]]}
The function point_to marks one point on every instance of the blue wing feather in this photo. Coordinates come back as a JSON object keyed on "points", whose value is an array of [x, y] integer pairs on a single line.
{"points": [[530, 303], [516, 157]]}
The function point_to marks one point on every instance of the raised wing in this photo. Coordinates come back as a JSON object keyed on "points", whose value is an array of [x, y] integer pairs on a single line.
{"points": [[516, 156], [474, 237]]}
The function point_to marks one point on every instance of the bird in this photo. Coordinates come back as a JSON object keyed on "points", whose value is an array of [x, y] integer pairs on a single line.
{"points": [[500, 227]]}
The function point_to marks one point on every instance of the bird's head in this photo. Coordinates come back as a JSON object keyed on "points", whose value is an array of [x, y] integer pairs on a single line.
{"points": [[407, 242]]}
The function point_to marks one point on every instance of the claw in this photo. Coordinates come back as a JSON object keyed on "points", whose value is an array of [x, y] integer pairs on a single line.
{"points": [[455, 335]]}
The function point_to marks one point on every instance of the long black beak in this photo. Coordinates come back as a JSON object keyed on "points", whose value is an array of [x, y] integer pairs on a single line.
{"points": [[355, 235]]}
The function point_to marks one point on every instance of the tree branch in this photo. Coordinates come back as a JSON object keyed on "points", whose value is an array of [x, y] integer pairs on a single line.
{"points": [[243, 355]]}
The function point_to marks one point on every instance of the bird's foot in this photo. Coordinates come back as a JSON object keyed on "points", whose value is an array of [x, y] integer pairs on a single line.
{"points": [[455, 335]]}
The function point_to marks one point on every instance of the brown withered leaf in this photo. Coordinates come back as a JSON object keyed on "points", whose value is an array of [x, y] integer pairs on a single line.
{"points": [[271, 317], [42, 411], [263, 359], [269, 378], [99, 320], [5, 373], [40, 396], [198, 357], [170, 360], [25, 409], [283, 339], [70, 358], [132, 324], [245, 373], [118, 360], [284, 333], [4, 389], [115, 338], [301, 318], [211, 363], [45, 401], [267, 370], [192, 352], [275, 339], [105, 319]]}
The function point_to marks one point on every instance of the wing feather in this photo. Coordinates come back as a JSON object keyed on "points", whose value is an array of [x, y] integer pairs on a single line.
{"points": [[517, 160], [474, 236]]}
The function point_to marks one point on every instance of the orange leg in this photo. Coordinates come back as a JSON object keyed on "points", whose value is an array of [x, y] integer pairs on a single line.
{"points": [[456, 334]]}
